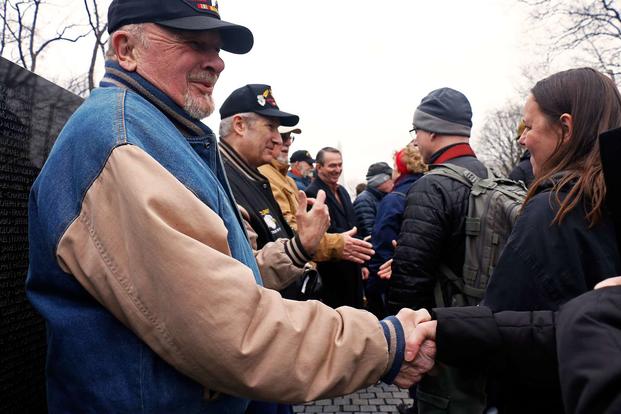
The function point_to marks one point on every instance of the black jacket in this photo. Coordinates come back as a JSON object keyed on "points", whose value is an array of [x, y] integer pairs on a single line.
{"points": [[523, 171], [517, 349], [432, 232], [544, 265], [526, 351], [365, 207], [588, 335], [253, 192], [342, 280]]}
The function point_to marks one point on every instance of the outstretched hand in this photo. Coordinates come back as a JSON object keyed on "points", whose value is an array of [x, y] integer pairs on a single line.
{"points": [[385, 270], [356, 250]]}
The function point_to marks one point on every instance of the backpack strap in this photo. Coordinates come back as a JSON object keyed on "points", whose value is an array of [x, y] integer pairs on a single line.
{"points": [[460, 284]]}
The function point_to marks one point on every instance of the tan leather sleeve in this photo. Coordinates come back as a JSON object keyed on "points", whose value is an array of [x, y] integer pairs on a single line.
{"points": [[157, 258], [277, 268], [330, 248]]}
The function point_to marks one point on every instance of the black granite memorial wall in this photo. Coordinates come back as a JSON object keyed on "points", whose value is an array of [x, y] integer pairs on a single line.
{"points": [[32, 113]]}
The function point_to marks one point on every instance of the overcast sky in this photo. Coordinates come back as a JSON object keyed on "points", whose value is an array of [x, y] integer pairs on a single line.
{"points": [[355, 70]]}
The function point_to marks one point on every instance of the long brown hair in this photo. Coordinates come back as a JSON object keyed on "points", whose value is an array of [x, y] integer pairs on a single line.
{"points": [[594, 102]]}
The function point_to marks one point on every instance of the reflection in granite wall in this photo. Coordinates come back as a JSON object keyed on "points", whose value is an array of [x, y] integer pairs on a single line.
{"points": [[32, 113]]}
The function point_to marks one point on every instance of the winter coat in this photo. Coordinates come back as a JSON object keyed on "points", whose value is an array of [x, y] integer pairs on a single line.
{"points": [[342, 280], [588, 334], [432, 232], [526, 351], [365, 207], [544, 265], [523, 171]]}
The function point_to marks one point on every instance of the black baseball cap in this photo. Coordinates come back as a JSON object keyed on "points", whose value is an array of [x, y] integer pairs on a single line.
{"points": [[256, 98], [181, 14], [301, 155]]}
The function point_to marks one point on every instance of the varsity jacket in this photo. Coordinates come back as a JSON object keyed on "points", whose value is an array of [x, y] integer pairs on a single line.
{"points": [[142, 271]]}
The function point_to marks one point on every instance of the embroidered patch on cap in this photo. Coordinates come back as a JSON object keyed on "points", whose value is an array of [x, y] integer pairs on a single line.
{"points": [[204, 6], [267, 97]]}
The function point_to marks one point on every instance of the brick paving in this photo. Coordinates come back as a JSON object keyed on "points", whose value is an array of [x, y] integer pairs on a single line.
{"points": [[380, 398]]}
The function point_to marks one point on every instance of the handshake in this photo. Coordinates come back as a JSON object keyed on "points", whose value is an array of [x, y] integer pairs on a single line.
{"points": [[420, 346]]}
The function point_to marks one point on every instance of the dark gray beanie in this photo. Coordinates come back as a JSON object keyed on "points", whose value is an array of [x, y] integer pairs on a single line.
{"points": [[444, 111], [378, 174]]}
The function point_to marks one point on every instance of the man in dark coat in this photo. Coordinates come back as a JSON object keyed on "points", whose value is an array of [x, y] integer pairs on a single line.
{"points": [[433, 228], [342, 280]]}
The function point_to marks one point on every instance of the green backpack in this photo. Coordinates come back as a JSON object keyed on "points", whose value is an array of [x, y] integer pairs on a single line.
{"points": [[493, 207]]}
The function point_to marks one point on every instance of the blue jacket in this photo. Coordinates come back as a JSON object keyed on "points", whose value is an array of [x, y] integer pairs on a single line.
{"points": [[82, 374], [388, 221], [301, 182], [365, 206]]}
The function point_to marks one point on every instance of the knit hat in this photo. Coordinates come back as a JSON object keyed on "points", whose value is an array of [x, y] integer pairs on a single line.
{"points": [[378, 174], [444, 111]]}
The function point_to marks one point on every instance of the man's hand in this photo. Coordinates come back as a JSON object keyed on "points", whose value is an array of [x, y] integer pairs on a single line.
{"points": [[356, 250], [419, 356], [385, 270], [611, 281], [365, 273], [312, 224]]}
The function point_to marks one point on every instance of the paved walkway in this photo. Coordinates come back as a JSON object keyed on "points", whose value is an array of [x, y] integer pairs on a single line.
{"points": [[380, 398]]}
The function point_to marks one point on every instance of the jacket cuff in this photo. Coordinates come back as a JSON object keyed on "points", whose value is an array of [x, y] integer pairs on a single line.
{"points": [[296, 252], [395, 338]]}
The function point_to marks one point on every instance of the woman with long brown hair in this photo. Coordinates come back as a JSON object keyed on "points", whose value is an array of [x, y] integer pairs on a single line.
{"points": [[564, 242]]}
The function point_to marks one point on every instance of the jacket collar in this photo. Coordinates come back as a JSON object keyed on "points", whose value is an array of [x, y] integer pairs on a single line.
{"points": [[404, 179], [117, 76], [236, 161], [462, 149], [281, 167]]}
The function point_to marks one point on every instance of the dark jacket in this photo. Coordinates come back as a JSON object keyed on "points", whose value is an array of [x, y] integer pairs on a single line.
{"points": [[342, 280], [523, 171], [365, 207], [252, 191], [588, 335], [527, 350], [517, 349], [432, 233], [544, 265]]}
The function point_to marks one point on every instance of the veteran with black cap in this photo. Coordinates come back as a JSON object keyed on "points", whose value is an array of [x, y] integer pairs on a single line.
{"points": [[139, 262]]}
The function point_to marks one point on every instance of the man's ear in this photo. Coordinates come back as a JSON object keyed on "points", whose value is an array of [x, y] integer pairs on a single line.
{"points": [[124, 46], [567, 126], [239, 125]]}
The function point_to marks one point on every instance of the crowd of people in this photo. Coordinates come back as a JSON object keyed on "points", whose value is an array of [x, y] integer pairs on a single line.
{"points": [[173, 267]]}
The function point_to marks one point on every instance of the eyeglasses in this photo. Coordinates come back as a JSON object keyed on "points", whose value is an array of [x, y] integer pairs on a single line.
{"points": [[288, 137], [413, 133]]}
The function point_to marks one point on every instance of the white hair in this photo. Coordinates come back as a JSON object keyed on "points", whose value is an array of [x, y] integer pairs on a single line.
{"points": [[226, 125], [136, 30]]}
